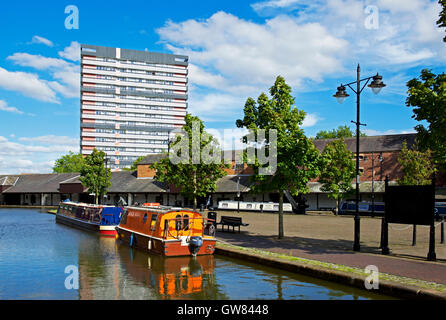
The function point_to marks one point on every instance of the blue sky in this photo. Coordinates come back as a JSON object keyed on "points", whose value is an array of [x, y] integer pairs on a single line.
{"points": [[235, 48]]}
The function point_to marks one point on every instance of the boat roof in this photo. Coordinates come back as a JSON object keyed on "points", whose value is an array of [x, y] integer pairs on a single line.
{"points": [[160, 209], [90, 205]]}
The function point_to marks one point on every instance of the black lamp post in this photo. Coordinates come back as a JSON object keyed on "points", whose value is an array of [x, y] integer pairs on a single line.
{"points": [[376, 85]]}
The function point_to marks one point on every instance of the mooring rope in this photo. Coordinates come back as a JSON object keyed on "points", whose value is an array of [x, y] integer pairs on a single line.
{"points": [[410, 226], [402, 229]]}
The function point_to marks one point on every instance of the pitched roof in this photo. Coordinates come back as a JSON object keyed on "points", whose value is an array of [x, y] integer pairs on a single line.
{"points": [[8, 180], [126, 181], [229, 183], [39, 183], [386, 143], [153, 158]]}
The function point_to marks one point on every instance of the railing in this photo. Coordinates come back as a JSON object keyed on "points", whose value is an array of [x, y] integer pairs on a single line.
{"points": [[180, 228]]}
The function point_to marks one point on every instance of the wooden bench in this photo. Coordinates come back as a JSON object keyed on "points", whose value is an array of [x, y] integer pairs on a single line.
{"points": [[232, 222]]}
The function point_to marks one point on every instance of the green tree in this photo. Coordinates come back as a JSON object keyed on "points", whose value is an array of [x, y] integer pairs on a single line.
{"points": [[134, 165], [297, 158], [71, 162], [338, 170], [196, 175], [427, 97], [442, 21], [94, 175], [340, 132], [416, 165]]}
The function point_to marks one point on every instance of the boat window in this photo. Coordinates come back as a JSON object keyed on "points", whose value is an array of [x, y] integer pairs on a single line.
{"points": [[186, 222], [224, 205], [178, 222], [145, 218], [249, 206], [153, 221]]}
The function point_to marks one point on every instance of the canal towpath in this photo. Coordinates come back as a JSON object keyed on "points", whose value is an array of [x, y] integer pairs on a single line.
{"points": [[329, 239]]}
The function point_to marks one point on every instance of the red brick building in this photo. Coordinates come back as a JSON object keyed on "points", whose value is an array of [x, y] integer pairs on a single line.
{"points": [[378, 158]]}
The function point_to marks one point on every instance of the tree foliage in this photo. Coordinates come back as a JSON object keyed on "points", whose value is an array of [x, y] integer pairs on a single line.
{"points": [[192, 178], [416, 165], [427, 96], [297, 157], [94, 175], [71, 162], [340, 132], [338, 170], [442, 20]]}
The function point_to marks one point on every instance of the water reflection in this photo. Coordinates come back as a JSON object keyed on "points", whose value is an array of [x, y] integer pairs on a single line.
{"points": [[172, 277], [34, 252]]}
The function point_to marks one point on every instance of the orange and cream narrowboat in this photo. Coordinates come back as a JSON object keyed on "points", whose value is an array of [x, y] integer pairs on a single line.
{"points": [[167, 231]]}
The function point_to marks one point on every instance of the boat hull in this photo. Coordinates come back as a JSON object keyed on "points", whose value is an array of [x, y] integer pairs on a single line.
{"points": [[169, 248], [85, 225]]}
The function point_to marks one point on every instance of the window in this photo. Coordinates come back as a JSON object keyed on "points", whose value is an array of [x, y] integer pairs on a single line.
{"points": [[153, 221], [186, 222], [145, 218], [178, 222]]}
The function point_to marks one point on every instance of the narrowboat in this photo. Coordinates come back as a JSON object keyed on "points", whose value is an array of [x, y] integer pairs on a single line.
{"points": [[253, 206], [365, 207], [99, 218], [167, 231]]}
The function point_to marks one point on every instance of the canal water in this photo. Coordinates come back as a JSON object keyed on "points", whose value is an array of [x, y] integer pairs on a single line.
{"points": [[40, 259]]}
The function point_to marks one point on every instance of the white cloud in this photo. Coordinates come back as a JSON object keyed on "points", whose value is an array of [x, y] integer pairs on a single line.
{"points": [[18, 157], [42, 40], [53, 140], [232, 58], [37, 61], [4, 107], [216, 107], [310, 120], [28, 84], [72, 52], [67, 73], [273, 4], [304, 41], [246, 52]]}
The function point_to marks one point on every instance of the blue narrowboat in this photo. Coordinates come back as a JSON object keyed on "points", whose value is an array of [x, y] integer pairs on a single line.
{"points": [[101, 218]]}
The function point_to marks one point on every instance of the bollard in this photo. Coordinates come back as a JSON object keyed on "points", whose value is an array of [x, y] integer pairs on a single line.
{"points": [[414, 235], [442, 230]]}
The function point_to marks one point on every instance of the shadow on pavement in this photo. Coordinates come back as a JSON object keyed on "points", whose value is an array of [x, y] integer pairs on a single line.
{"points": [[306, 245]]}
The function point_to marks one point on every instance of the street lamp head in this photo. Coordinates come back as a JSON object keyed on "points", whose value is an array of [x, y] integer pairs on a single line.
{"points": [[377, 84], [341, 94]]}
